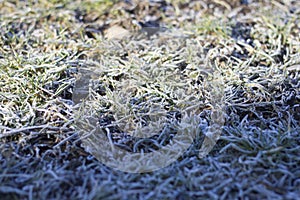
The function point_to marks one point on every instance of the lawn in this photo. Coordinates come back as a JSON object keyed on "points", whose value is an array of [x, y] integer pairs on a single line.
{"points": [[152, 99]]}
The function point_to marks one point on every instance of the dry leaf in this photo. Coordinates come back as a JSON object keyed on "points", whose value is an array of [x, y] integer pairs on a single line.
{"points": [[116, 32]]}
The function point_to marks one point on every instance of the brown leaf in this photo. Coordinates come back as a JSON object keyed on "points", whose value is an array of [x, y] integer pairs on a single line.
{"points": [[116, 32]]}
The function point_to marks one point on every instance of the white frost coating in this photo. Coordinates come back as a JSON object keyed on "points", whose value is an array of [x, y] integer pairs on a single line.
{"points": [[98, 142]]}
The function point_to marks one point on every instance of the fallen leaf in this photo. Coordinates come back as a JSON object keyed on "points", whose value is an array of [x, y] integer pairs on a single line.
{"points": [[116, 32]]}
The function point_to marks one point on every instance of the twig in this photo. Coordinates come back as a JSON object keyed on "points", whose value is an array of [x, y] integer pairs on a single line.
{"points": [[66, 139], [16, 131]]}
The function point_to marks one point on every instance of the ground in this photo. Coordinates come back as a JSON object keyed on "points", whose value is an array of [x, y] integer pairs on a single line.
{"points": [[186, 59]]}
